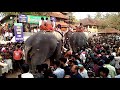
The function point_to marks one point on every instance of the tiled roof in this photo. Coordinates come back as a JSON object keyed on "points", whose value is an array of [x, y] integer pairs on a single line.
{"points": [[58, 15], [65, 12], [109, 30], [89, 21]]}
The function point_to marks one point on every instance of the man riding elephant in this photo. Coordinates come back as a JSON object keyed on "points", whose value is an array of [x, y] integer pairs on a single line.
{"points": [[78, 39], [46, 44], [47, 25]]}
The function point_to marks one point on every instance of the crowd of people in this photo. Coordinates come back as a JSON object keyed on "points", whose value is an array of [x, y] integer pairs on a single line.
{"points": [[13, 55], [99, 60]]}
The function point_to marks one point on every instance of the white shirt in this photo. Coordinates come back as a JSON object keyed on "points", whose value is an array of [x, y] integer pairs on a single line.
{"points": [[11, 34], [32, 31], [27, 75], [3, 49], [59, 72], [82, 56], [38, 30], [53, 24], [114, 54], [40, 22], [35, 30], [118, 76], [83, 73], [6, 34]]}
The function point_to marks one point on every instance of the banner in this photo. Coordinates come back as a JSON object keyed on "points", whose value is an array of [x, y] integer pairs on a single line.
{"points": [[23, 18], [18, 30], [35, 19]]}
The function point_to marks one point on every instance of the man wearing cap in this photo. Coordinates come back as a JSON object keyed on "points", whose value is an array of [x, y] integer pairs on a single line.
{"points": [[82, 71]]}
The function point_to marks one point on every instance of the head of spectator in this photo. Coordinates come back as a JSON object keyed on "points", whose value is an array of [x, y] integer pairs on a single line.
{"points": [[74, 69], [103, 72], [56, 64], [63, 61]]}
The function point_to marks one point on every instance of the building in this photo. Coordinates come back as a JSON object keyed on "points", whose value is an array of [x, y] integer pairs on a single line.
{"points": [[90, 24], [108, 31], [61, 17]]}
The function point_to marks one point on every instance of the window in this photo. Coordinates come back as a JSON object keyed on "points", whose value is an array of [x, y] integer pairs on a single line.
{"points": [[90, 26], [94, 27]]}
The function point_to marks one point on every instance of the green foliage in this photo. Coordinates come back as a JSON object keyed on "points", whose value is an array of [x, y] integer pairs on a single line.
{"points": [[111, 20]]}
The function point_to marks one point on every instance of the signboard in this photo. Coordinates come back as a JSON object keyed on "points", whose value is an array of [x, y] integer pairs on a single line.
{"points": [[18, 30], [23, 18], [35, 19]]}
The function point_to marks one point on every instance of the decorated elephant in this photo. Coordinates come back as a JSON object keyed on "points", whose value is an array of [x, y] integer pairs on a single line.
{"points": [[42, 46], [76, 40]]}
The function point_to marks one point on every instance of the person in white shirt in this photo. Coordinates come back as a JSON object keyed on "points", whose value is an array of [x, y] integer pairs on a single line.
{"points": [[53, 23], [1, 66], [26, 73], [114, 53], [6, 35], [40, 22], [35, 30], [11, 34], [112, 71], [38, 29], [82, 71], [59, 72], [83, 56]]}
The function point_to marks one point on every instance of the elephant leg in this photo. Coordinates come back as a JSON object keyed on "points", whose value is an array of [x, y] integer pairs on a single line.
{"points": [[57, 54], [58, 50]]}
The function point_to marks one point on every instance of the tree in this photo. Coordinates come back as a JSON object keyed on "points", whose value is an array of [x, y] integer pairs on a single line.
{"points": [[98, 16], [111, 20], [88, 16]]}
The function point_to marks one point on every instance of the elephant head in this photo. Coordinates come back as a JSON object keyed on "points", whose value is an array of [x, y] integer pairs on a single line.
{"points": [[42, 46]]}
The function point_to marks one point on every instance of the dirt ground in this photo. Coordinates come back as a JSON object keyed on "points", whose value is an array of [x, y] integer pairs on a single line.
{"points": [[13, 75]]}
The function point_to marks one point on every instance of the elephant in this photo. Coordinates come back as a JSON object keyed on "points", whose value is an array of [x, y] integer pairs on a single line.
{"points": [[42, 46], [76, 40]]}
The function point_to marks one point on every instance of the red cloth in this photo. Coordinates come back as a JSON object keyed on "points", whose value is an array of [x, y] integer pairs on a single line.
{"points": [[17, 55], [49, 27]]}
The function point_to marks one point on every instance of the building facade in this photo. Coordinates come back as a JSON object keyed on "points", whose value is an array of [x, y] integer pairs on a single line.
{"points": [[90, 24]]}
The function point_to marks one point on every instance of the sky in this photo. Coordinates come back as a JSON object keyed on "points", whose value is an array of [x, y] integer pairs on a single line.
{"points": [[82, 15]]}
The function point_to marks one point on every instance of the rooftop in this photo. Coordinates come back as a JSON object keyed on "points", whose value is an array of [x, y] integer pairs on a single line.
{"points": [[58, 15], [89, 21], [109, 30]]}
